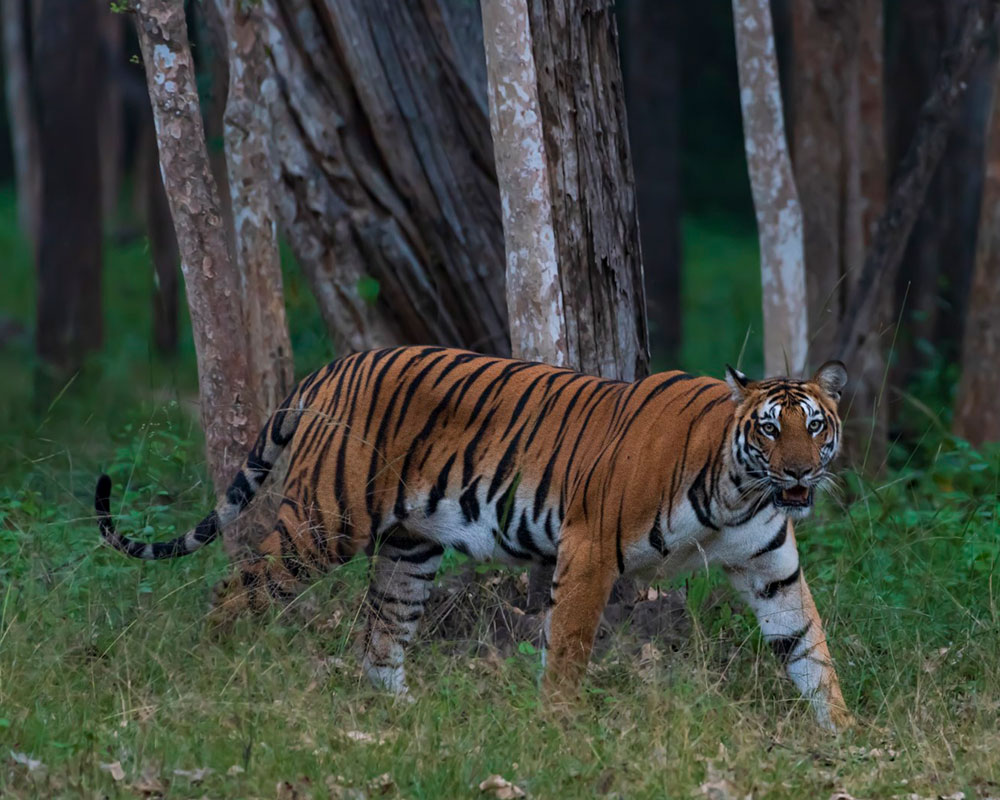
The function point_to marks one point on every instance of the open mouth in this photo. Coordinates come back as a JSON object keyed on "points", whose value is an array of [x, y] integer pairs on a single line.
{"points": [[794, 497]]}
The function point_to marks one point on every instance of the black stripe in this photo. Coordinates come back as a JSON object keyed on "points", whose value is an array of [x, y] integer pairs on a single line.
{"points": [[239, 492], [777, 541], [774, 587], [384, 598], [784, 646], [469, 503], [440, 486]]}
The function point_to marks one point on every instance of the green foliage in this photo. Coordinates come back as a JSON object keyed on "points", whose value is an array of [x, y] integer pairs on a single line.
{"points": [[106, 660]]}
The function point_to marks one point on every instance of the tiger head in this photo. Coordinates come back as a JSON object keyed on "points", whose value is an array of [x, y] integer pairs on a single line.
{"points": [[787, 432]]}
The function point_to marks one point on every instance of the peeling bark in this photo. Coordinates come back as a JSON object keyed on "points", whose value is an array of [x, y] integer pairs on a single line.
{"points": [[228, 417], [386, 189], [249, 162], [534, 294], [582, 99], [977, 413], [779, 215]]}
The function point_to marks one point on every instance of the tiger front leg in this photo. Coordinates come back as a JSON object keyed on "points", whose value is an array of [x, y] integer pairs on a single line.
{"points": [[772, 584], [585, 573]]}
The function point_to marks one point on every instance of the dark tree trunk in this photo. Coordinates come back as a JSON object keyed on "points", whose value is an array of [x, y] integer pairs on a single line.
{"points": [[21, 114], [652, 89], [931, 286], [65, 74], [582, 98], [387, 192], [839, 156], [976, 28], [977, 413], [111, 119]]}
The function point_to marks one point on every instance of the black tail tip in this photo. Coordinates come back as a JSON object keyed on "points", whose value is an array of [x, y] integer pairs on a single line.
{"points": [[102, 495]]}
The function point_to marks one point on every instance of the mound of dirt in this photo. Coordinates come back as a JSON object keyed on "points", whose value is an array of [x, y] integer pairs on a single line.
{"points": [[479, 612]]}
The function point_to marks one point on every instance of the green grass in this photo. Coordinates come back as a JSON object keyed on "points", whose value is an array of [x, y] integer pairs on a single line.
{"points": [[104, 660]]}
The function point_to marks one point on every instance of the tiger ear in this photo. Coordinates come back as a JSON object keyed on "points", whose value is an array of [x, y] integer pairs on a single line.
{"points": [[831, 378], [738, 382]]}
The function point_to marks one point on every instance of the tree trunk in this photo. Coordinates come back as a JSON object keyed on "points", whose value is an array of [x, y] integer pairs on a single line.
{"points": [[69, 321], [933, 276], [229, 417], [387, 192], [582, 98], [162, 247], [534, 291], [652, 88], [249, 160], [839, 158], [978, 26], [21, 115], [111, 118], [568, 193], [779, 215], [977, 413]]}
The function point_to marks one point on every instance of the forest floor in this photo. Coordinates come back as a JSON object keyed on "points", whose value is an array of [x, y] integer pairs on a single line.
{"points": [[112, 684]]}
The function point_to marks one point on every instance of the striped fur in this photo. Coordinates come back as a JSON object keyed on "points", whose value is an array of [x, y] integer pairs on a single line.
{"points": [[404, 452]]}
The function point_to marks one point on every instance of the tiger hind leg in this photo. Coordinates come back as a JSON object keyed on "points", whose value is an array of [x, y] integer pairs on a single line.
{"points": [[402, 571], [297, 551]]}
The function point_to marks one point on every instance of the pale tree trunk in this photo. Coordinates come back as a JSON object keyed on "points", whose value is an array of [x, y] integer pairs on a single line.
{"points": [[229, 417], [69, 252], [652, 88], [386, 188], [534, 291], [568, 193], [779, 215], [249, 161], [977, 413], [21, 115], [839, 156]]}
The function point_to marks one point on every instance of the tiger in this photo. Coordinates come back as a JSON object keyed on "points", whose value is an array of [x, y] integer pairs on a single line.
{"points": [[406, 452]]}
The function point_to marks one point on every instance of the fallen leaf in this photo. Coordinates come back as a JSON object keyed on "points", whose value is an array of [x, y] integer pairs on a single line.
{"points": [[235, 769], [365, 738], [25, 760], [194, 775], [841, 796], [501, 788], [115, 768]]}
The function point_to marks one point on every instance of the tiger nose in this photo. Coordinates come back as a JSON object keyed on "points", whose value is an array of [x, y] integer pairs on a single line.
{"points": [[798, 473]]}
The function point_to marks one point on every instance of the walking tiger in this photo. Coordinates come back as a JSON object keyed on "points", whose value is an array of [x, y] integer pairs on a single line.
{"points": [[404, 452]]}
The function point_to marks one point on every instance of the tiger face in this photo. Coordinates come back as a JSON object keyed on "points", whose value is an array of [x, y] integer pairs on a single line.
{"points": [[787, 432]]}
